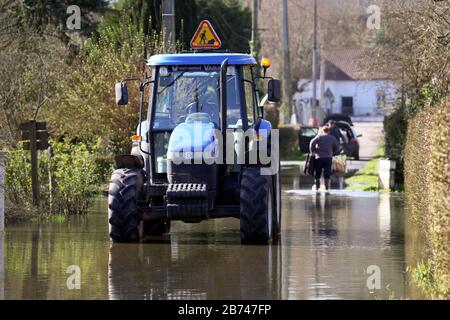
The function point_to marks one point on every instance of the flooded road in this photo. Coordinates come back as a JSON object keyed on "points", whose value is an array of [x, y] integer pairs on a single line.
{"points": [[328, 245]]}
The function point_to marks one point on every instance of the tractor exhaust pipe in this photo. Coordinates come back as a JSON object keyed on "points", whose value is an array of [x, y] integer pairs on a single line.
{"points": [[223, 104]]}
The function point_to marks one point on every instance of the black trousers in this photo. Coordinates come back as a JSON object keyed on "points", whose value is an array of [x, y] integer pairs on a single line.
{"points": [[323, 164]]}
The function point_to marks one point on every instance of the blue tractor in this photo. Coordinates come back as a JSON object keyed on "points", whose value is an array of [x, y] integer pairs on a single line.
{"points": [[197, 152]]}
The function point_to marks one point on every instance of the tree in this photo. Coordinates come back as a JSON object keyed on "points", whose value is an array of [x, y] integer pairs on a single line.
{"points": [[341, 24], [31, 65], [148, 13], [41, 13], [413, 46], [230, 19], [86, 108]]}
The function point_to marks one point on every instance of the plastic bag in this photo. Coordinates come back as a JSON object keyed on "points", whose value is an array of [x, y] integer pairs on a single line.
{"points": [[339, 166]]}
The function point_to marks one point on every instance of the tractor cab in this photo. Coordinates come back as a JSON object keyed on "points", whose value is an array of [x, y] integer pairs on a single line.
{"points": [[187, 92], [191, 155]]}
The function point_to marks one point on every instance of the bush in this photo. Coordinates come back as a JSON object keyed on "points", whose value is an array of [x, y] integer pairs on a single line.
{"points": [[18, 177], [395, 129], [290, 141], [74, 179], [427, 177], [272, 114], [440, 198], [86, 99]]}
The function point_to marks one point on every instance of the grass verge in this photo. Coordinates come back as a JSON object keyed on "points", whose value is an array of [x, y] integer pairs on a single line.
{"points": [[294, 156], [367, 178]]}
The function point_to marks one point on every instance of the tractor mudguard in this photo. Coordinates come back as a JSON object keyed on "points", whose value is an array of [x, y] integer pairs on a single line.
{"points": [[263, 128], [129, 161]]}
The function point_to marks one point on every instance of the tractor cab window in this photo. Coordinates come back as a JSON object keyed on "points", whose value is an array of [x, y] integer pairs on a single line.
{"points": [[183, 92], [250, 97]]}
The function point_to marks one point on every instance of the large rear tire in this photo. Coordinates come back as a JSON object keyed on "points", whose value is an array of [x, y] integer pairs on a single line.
{"points": [[256, 206], [125, 190]]}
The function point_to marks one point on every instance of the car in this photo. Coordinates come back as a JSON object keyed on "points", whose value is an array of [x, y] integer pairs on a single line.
{"points": [[338, 117], [306, 134], [348, 140]]}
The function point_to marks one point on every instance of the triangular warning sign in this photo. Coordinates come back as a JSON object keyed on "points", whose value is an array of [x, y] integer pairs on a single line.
{"points": [[205, 37]]}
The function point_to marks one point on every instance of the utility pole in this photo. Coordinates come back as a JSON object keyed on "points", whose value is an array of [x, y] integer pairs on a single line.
{"points": [[168, 24], [287, 65], [314, 65], [255, 45], [322, 75]]}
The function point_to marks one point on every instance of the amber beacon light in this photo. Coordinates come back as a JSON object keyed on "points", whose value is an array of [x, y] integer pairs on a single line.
{"points": [[265, 63]]}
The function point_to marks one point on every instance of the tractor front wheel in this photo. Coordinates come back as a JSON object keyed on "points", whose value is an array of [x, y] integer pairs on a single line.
{"points": [[256, 206], [124, 192]]}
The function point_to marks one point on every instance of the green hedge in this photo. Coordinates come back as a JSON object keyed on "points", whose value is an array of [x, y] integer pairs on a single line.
{"points": [[74, 175], [289, 142], [272, 114], [427, 185], [395, 128]]}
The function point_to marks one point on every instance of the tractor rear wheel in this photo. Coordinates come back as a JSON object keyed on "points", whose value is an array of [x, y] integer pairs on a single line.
{"points": [[125, 190], [256, 206]]}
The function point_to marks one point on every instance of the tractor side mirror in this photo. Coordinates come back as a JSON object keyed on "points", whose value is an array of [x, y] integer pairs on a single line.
{"points": [[274, 91], [121, 94]]}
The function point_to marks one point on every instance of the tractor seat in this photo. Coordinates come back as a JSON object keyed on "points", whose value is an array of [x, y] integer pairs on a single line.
{"points": [[209, 108], [198, 116]]}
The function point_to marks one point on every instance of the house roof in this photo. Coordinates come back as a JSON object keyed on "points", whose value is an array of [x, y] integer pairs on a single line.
{"points": [[349, 64]]}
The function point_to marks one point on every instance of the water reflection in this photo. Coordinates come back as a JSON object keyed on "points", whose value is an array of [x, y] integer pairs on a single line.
{"points": [[162, 271], [37, 256], [327, 244], [332, 239]]}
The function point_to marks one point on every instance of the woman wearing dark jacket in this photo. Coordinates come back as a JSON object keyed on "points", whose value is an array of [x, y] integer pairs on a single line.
{"points": [[324, 146]]}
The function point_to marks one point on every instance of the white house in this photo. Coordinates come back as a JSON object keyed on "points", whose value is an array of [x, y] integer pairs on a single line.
{"points": [[347, 88]]}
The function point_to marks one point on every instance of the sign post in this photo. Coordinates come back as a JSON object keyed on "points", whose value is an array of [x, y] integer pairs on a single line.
{"points": [[36, 138], [34, 163]]}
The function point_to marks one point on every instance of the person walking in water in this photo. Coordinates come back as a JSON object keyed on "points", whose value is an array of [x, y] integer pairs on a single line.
{"points": [[324, 146]]}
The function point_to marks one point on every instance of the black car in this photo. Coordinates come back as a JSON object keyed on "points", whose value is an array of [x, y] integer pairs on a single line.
{"points": [[338, 117], [348, 138]]}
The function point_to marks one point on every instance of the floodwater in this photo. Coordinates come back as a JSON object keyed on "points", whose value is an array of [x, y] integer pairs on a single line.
{"points": [[329, 248]]}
